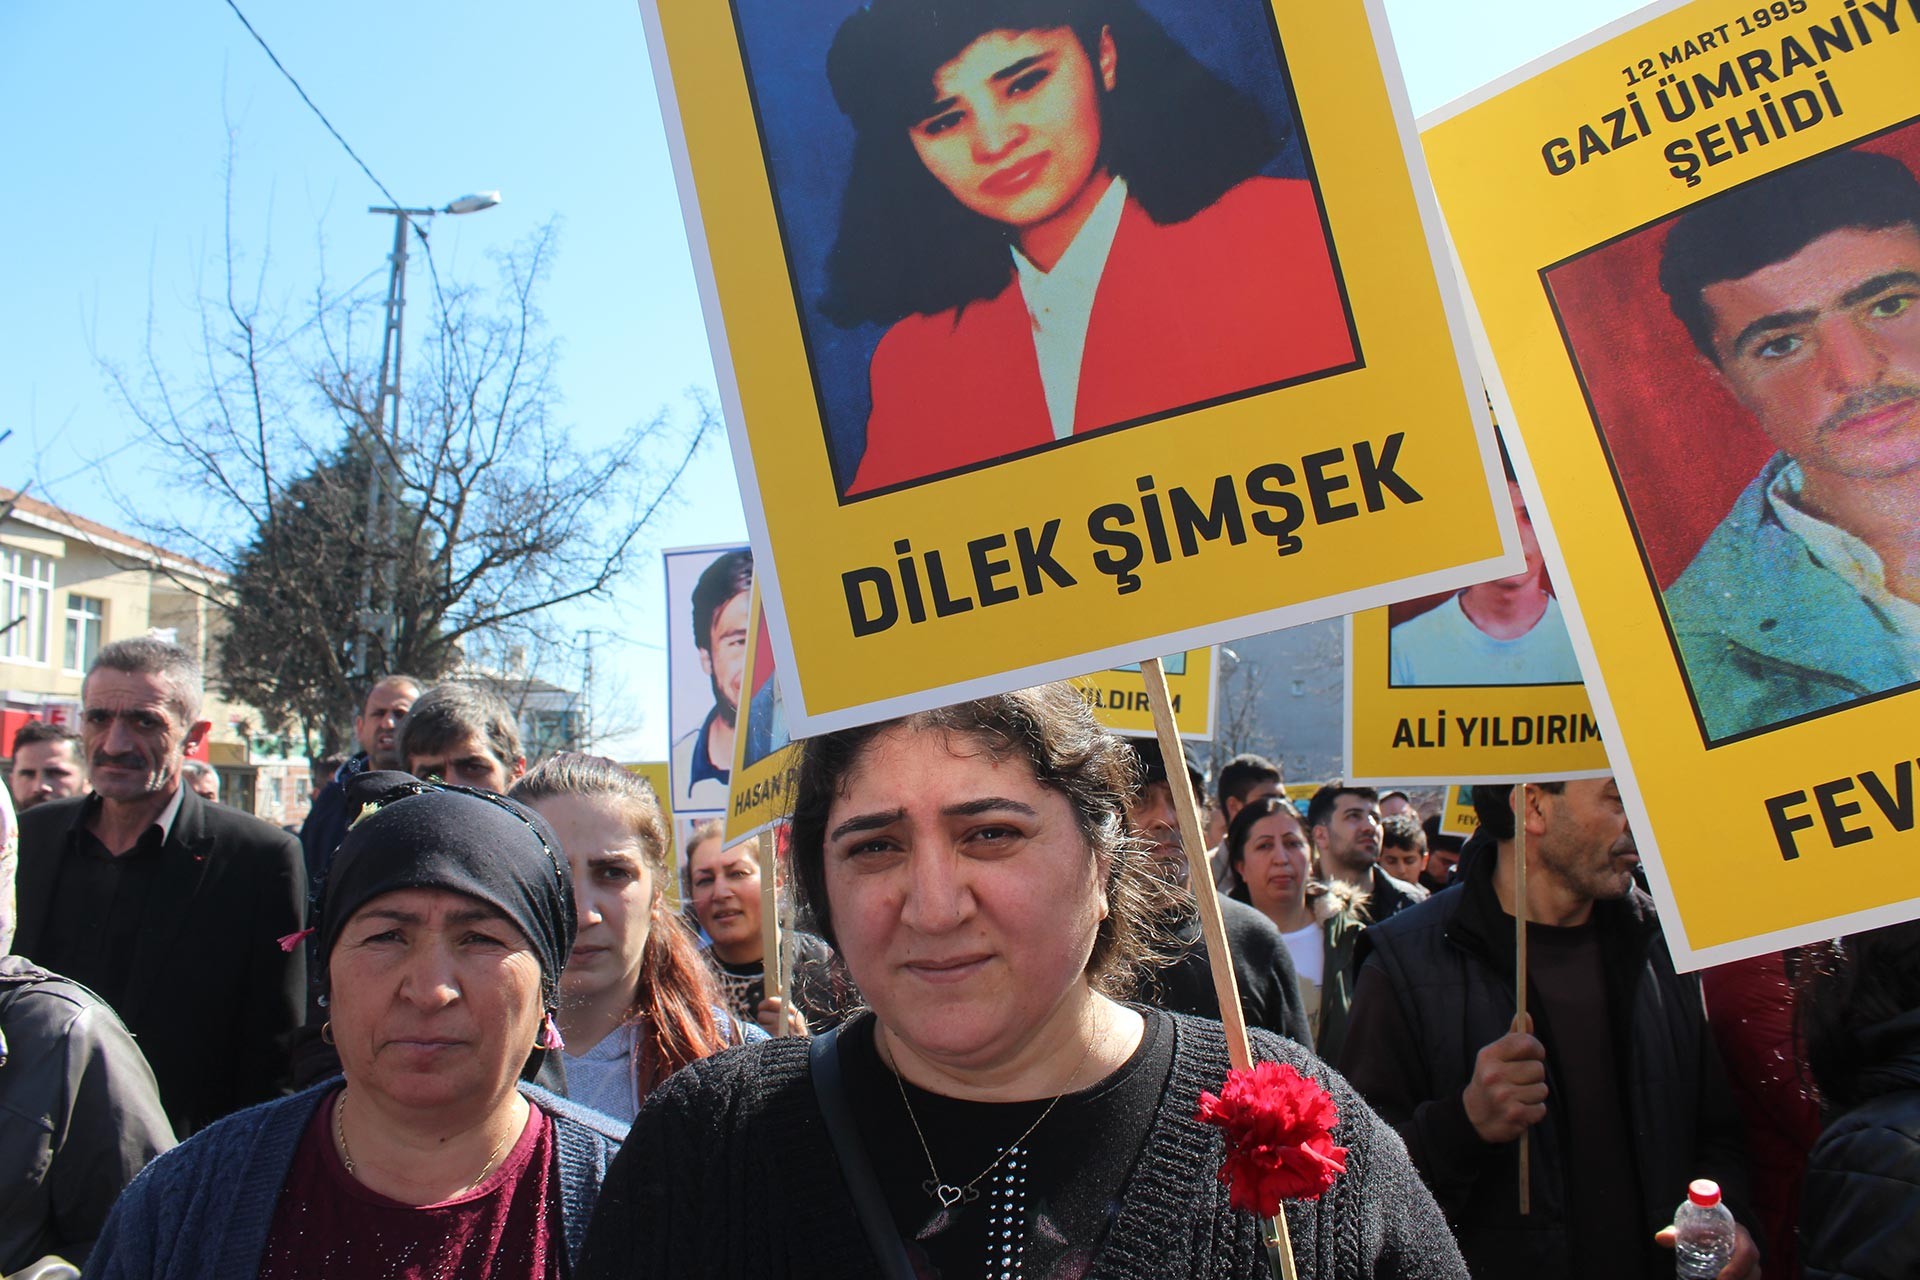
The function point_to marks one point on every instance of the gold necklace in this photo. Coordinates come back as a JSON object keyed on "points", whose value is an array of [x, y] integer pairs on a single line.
{"points": [[945, 1192], [346, 1152]]}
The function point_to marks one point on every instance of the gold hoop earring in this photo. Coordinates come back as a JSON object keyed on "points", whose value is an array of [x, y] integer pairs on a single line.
{"points": [[326, 1033]]}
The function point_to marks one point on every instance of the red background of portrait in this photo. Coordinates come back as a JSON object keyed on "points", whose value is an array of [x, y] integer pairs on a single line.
{"points": [[1683, 447]]}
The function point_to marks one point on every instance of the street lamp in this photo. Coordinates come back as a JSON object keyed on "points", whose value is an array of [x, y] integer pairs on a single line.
{"points": [[384, 446]]}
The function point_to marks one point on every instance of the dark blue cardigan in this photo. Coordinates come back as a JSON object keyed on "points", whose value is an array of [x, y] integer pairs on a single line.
{"points": [[203, 1210]]}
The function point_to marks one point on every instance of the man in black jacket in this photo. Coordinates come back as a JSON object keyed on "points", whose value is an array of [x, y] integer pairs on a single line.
{"points": [[1263, 967], [168, 907], [376, 726], [1616, 1085]]}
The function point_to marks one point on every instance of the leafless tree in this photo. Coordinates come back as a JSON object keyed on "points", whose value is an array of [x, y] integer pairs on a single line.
{"points": [[500, 513]]}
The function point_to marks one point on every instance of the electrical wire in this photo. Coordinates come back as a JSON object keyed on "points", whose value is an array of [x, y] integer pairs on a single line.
{"points": [[268, 49]]}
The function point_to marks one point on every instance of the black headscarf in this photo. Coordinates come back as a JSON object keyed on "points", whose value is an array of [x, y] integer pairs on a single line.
{"points": [[409, 834]]}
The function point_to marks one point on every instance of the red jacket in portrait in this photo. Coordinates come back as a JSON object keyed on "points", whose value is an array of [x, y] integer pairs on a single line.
{"points": [[1241, 295]]}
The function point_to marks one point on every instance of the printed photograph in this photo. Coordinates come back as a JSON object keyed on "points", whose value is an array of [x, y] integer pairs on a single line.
{"points": [[766, 713], [1505, 632], [1013, 224], [1753, 369], [708, 596]]}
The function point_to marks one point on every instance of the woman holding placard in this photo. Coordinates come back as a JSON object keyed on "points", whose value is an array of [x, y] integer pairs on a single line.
{"points": [[1000, 1112]]}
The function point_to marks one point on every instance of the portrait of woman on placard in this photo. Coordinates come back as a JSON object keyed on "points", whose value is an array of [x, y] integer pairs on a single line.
{"points": [[1060, 218]]}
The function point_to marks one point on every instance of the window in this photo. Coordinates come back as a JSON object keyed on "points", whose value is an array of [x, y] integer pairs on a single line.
{"points": [[26, 604], [86, 621]]}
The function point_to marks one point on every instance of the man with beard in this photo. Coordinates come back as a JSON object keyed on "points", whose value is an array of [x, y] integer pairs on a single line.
{"points": [[376, 727], [46, 765], [1802, 288], [1344, 823], [1269, 987], [170, 908], [703, 759], [1615, 1053]]}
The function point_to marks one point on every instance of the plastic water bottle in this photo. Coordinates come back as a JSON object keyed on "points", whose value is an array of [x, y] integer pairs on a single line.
{"points": [[1704, 1231]]}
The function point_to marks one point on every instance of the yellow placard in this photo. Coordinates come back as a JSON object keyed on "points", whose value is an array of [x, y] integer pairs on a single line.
{"points": [[1119, 696], [1480, 684], [1459, 818], [1033, 386], [764, 756], [1301, 794], [1692, 240], [656, 775]]}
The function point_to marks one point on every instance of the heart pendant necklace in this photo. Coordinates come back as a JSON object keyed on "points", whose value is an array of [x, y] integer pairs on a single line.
{"points": [[945, 1192]]}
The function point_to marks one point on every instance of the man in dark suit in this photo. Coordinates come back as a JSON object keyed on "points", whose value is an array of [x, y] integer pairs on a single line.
{"points": [[167, 906]]}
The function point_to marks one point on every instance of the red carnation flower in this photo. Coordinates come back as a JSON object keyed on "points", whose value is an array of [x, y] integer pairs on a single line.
{"points": [[1279, 1128]]}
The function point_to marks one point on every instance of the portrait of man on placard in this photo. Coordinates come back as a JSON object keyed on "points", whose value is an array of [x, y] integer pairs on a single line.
{"points": [[1012, 224], [707, 665], [1786, 420], [1503, 633]]}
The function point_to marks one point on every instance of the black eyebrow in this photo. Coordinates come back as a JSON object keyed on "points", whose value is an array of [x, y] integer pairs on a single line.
{"points": [[1777, 320], [867, 822], [1005, 73], [989, 804], [1878, 285], [1853, 297]]}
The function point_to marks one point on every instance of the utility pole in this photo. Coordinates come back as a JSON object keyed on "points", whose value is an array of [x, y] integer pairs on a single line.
{"points": [[374, 619]]}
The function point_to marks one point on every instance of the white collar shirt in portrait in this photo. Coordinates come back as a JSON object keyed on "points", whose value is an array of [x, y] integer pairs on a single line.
{"points": [[1060, 303], [1858, 564]]}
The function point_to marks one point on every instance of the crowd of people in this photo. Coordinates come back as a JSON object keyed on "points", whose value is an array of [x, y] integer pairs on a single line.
{"points": [[461, 1027]]}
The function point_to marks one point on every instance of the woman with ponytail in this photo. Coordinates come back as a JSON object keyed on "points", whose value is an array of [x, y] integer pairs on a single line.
{"points": [[637, 1001]]}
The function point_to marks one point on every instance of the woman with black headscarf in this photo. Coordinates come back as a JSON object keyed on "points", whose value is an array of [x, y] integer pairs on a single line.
{"points": [[442, 931]]}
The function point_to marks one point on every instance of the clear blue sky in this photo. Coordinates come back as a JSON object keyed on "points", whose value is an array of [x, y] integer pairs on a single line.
{"points": [[114, 133]]}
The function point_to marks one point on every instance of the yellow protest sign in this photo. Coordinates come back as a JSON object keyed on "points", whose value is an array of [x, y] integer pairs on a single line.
{"points": [[1459, 818], [1301, 794], [1692, 240], [764, 756], [656, 774], [1481, 684], [1119, 696], [1035, 384]]}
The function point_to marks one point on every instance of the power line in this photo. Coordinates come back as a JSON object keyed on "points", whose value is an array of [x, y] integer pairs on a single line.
{"points": [[310, 103]]}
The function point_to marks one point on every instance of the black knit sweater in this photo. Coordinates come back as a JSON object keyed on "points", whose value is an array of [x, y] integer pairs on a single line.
{"points": [[729, 1171]]}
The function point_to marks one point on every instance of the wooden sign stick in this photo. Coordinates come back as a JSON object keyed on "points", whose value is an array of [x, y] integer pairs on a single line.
{"points": [[773, 982], [1520, 1020], [1233, 1019]]}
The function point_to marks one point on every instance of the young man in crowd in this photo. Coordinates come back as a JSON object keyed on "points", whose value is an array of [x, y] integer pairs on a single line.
{"points": [[1242, 780], [1616, 1057], [1343, 822], [465, 736], [46, 765], [1403, 851], [169, 908]]}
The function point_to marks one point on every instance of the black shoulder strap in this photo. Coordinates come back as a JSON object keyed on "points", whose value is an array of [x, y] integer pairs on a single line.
{"points": [[830, 1091]]}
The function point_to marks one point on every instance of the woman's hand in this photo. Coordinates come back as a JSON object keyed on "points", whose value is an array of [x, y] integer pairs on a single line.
{"points": [[768, 1016]]}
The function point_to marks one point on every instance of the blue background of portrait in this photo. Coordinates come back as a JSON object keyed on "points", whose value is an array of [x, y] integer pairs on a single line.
{"points": [[810, 147]]}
